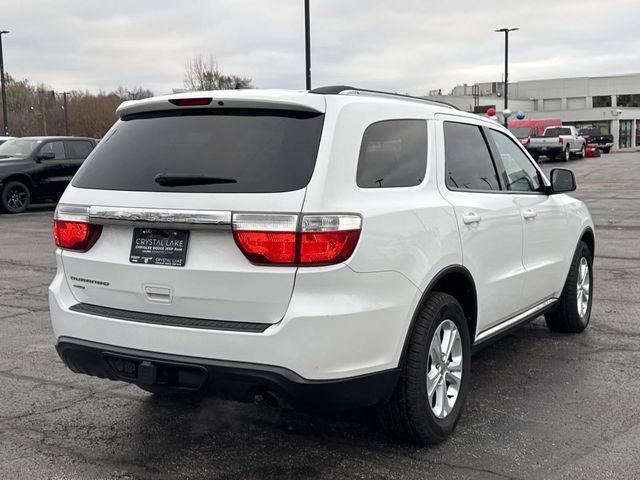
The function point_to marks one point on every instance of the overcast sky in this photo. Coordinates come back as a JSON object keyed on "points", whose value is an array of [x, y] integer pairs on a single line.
{"points": [[403, 45]]}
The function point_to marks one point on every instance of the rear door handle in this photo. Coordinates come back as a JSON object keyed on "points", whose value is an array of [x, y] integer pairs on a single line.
{"points": [[471, 218], [529, 214]]}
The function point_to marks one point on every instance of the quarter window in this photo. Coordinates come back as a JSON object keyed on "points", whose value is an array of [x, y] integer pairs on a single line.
{"points": [[393, 153], [54, 147], [468, 162], [522, 176]]}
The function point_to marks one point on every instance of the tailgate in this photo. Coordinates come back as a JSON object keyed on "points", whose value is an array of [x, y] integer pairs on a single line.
{"points": [[163, 185], [215, 282]]}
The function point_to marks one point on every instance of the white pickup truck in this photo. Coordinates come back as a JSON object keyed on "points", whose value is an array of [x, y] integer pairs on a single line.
{"points": [[557, 142]]}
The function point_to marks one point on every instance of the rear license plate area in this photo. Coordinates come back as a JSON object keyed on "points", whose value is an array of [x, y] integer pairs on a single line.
{"points": [[153, 246]]}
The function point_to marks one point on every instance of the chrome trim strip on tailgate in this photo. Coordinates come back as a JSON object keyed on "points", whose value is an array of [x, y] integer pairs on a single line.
{"points": [[162, 217]]}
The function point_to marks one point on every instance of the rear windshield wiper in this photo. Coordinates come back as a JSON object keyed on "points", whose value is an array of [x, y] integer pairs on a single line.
{"points": [[184, 179]]}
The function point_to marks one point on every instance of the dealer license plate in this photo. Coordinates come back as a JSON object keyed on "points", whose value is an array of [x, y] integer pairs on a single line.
{"points": [[159, 247]]}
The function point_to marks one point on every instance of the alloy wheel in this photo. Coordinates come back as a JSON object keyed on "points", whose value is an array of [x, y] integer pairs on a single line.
{"points": [[17, 197], [444, 369], [584, 284]]}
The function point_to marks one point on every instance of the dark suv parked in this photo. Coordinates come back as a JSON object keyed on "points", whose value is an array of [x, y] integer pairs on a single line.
{"points": [[39, 168]]}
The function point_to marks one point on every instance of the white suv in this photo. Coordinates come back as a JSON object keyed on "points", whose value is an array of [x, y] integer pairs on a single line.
{"points": [[331, 248]]}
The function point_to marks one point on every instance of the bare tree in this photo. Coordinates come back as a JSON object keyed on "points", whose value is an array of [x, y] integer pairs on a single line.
{"points": [[205, 74], [89, 113]]}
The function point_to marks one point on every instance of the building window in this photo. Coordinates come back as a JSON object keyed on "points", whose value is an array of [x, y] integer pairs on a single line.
{"points": [[629, 100], [602, 101], [637, 133], [624, 139]]}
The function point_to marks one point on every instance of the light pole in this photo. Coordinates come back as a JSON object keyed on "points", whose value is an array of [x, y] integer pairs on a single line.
{"points": [[66, 115], [307, 43], [5, 122], [506, 67]]}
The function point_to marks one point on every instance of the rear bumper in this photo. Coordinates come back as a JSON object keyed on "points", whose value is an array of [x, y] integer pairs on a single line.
{"points": [[339, 324], [235, 380], [546, 150]]}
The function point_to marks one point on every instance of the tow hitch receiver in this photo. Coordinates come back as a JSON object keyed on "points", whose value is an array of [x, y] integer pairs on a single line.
{"points": [[148, 372]]}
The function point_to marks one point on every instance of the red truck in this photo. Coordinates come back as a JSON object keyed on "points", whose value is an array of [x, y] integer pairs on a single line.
{"points": [[524, 130]]}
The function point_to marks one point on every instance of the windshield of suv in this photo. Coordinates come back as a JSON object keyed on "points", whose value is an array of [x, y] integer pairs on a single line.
{"points": [[252, 150], [18, 148], [520, 132]]}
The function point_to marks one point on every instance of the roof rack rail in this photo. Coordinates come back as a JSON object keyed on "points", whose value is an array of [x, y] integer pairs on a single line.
{"points": [[347, 90]]}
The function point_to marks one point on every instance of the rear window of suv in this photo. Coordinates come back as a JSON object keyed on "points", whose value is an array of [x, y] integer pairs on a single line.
{"points": [[224, 150]]}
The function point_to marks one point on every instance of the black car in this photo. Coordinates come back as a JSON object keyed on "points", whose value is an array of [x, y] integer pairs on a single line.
{"points": [[34, 169]]}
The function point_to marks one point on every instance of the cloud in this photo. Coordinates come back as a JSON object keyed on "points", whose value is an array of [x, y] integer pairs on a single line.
{"points": [[406, 46]]}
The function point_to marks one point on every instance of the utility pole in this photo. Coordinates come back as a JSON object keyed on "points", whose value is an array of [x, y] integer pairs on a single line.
{"points": [[43, 110], [66, 117], [307, 43], [5, 121], [506, 68]]}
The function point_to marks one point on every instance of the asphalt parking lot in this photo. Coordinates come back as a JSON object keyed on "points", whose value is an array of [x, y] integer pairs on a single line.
{"points": [[541, 405]]}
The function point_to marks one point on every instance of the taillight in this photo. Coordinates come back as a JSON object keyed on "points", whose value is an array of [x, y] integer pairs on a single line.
{"points": [[328, 239], [561, 140], [72, 230], [267, 247], [278, 239]]}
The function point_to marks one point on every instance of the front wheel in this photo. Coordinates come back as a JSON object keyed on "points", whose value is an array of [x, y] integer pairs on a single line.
{"points": [[15, 197], [432, 387], [606, 149], [573, 311]]}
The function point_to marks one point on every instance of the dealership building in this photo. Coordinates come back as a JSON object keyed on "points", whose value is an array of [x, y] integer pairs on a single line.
{"points": [[611, 103]]}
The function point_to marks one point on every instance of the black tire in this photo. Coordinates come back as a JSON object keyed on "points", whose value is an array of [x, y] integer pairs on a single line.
{"points": [[566, 155], [409, 413], [15, 197], [606, 149], [566, 317]]}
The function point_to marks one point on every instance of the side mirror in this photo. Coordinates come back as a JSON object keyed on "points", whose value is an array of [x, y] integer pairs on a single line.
{"points": [[562, 180], [46, 156]]}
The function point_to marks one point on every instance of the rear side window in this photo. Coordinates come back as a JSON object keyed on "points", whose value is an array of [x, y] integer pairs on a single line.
{"points": [[57, 148], [206, 150], [393, 153], [468, 162], [79, 149]]}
